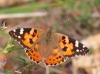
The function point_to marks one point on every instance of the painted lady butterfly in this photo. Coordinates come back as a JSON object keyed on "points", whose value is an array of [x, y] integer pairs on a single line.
{"points": [[47, 46]]}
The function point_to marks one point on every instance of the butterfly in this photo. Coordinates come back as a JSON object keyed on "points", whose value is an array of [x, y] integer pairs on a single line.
{"points": [[47, 46]]}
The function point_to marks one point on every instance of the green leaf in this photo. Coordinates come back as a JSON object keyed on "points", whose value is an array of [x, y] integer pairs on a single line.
{"points": [[19, 59]]}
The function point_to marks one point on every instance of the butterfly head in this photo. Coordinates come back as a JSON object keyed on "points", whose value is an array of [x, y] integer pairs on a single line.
{"points": [[49, 33], [50, 28]]}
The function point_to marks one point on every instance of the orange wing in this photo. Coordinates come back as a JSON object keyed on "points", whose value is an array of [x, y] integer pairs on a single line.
{"points": [[71, 47], [27, 37]]}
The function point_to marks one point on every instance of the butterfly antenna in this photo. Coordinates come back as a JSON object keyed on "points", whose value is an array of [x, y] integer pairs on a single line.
{"points": [[47, 19], [63, 22]]}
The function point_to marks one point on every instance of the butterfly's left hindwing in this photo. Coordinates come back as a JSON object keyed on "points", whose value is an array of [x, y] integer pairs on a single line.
{"points": [[71, 47]]}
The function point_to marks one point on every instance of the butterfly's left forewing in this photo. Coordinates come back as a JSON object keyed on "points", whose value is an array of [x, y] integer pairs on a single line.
{"points": [[71, 47]]}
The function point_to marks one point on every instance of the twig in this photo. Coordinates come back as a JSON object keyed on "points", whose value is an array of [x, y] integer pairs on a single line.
{"points": [[53, 69], [22, 15], [47, 70], [56, 70]]}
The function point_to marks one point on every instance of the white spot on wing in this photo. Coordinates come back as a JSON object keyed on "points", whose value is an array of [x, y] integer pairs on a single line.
{"points": [[14, 30], [19, 37], [21, 31], [80, 50], [77, 50], [76, 43], [83, 46]]}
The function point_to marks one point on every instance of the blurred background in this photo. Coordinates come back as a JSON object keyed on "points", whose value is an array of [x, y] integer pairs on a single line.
{"points": [[79, 19]]}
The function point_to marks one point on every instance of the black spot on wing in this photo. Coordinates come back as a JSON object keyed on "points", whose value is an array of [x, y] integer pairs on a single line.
{"points": [[65, 48], [71, 40], [59, 56], [27, 30], [33, 35], [55, 64], [64, 41], [35, 31], [30, 40], [46, 63], [63, 37]]}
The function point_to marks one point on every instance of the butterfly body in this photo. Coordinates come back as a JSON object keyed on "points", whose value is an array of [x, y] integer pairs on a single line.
{"points": [[48, 36], [47, 46]]}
